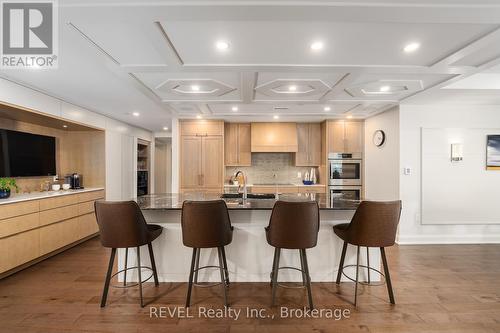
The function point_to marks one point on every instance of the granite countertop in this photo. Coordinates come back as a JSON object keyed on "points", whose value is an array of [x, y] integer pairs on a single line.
{"points": [[44, 195], [173, 201]]}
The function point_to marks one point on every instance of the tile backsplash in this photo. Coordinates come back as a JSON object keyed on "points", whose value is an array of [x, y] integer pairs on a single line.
{"points": [[271, 168]]}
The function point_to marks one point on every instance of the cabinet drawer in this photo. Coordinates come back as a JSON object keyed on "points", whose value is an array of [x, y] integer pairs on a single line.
{"points": [[58, 214], [88, 196], [64, 200], [57, 235], [18, 224], [19, 249], [86, 207], [202, 127], [87, 225], [312, 189], [18, 208]]}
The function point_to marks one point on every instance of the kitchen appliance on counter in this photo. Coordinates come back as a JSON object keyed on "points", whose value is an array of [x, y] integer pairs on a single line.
{"points": [[345, 169], [74, 180]]}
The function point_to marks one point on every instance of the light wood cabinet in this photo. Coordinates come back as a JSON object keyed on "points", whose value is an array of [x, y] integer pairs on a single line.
{"points": [[312, 189], [190, 166], [212, 173], [237, 144], [201, 127], [202, 156], [309, 144], [345, 136], [272, 189], [39, 227]]}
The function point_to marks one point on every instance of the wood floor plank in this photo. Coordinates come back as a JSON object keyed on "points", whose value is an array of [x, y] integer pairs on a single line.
{"points": [[438, 288]]}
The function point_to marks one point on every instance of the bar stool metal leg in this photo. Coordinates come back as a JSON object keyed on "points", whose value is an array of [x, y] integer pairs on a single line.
{"points": [[341, 265], [225, 265], [125, 271], [272, 269], [197, 265], [108, 278], [357, 277], [139, 274], [304, 278], [222, 280], [153, 264], [190, 283], [308, 277], [387, 276], [368, 262], [277, 253]]}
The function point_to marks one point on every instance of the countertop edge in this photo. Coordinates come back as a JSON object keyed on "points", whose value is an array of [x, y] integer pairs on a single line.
{"points": [[46, 195]]}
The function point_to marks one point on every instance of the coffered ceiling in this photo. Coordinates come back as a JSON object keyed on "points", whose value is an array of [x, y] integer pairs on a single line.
{"points": [[267, 60]]}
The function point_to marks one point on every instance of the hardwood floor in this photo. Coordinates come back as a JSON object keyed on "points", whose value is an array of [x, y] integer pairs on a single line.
{"points": [[446, 288]]}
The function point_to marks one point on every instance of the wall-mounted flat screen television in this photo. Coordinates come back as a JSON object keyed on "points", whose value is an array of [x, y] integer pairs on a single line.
{"points": [[26, 155]]}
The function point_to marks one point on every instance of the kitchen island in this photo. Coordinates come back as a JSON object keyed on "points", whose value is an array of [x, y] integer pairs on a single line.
{"points": [[249, 256]]}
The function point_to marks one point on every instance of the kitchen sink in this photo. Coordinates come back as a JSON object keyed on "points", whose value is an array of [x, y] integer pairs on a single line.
{"points": [[249, 196]]}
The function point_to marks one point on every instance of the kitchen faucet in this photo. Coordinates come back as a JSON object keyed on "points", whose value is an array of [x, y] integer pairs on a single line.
{"points": [[244, 177]]}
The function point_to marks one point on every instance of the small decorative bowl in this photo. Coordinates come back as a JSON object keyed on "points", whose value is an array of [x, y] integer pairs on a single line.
{"points": [[307, 182], [65, 186], [56, 187]]}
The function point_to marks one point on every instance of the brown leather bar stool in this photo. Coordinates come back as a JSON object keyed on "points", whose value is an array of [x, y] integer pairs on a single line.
{"points": [[206, 224], [293, 225], [373, 225], [122, 225]]}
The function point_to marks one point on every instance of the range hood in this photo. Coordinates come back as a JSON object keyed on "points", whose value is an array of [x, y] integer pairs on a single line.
{"points": [[274, 137]]}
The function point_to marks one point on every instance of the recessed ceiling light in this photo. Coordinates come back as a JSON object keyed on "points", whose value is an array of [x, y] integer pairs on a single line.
{"points": [[349, 117], [234, 108], [222, 45], [65, 126], [327, 108], [165, 128], [316, 46], [292, 88], [412, 47], [276, 117], [195, 87], [136, 114], [385, 88], [198, 116]]}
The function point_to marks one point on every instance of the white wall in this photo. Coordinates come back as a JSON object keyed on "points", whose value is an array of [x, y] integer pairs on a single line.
{"points": [[121, 138], [412, 119], [381, 164]]}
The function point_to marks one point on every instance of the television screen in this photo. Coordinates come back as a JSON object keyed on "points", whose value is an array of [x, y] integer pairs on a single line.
{"points": [[26, 155]]}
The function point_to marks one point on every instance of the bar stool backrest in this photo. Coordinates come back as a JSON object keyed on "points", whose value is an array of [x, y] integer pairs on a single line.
{"points": [[374, 224], [294, 225], [121, 224], [205, 224]]}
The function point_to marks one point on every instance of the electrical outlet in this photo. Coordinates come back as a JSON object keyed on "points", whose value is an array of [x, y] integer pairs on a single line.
{"points": [[299, 174], [407, 171]]}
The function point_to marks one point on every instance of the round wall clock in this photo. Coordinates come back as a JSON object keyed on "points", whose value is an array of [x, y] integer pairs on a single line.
{"points": [[379, 138]]}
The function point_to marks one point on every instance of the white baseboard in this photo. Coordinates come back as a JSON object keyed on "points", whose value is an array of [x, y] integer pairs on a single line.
{"points": [[448, 239]]}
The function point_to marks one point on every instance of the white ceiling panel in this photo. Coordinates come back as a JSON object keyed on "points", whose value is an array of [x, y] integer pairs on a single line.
{"points": [[288, 42], [129, 43], [176, 86]]}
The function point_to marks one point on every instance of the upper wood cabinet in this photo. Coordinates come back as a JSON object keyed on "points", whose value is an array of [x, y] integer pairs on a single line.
{"points": [[274, 137], [237, 144], [201, 155], [345, 136], [309, 144], [201, 127]]}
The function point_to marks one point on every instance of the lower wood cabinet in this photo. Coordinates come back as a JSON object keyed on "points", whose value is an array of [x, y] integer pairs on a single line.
{"points": [[35, 228]]}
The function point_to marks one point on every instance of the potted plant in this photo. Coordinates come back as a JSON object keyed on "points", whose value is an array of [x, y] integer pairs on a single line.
{"points": [[6, 184]]}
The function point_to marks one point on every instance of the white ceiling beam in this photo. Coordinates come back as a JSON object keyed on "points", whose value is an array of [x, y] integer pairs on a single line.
{"points": [[248, 81]]}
